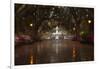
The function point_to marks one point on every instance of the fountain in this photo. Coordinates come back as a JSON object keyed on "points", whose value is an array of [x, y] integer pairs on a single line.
{"points": [[57, 33]]}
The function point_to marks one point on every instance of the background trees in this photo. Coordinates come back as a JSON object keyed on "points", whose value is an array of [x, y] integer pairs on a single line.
{"points": [[34, 19]]}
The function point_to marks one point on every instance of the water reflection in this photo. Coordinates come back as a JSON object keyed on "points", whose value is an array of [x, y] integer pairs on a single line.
{"points": [[52, 51], [74, 53], [31, 60], [32, 56]]}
